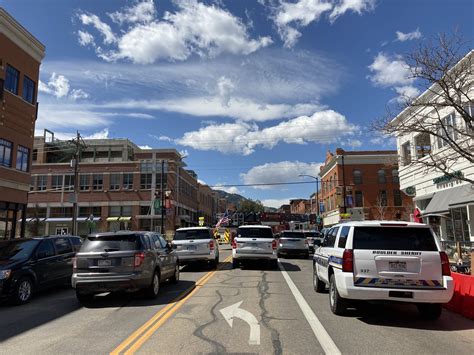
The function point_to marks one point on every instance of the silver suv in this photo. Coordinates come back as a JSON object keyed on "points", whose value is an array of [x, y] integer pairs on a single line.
{"points": [[254, 242], [196, 244], [119, 261], [293, 243]]}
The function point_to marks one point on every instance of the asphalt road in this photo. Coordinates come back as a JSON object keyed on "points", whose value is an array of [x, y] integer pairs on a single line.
{"points": [[278, 306]]}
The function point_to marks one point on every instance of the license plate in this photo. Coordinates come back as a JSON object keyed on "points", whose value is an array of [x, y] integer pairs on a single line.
{"points": [[191, 247], [106, 262], [397, 266]]}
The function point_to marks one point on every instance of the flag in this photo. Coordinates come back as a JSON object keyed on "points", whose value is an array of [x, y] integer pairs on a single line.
{"points": [[224, 220]]}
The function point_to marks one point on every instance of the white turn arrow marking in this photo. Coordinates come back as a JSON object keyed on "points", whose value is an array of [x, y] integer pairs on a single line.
{"points": [[233, 311]]}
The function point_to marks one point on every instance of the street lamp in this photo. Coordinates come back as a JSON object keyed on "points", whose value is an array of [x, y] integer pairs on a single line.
{"points": [[317, 192]]}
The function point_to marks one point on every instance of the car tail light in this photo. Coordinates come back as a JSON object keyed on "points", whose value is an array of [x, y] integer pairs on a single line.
{"points": [[139, 258], [445, 269], [348, 261], [234, 244], [74, 263], [211, 245], [274, 244]]}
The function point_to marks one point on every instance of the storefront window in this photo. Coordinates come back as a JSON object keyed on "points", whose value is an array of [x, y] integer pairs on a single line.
{"points": [[460, 224]]}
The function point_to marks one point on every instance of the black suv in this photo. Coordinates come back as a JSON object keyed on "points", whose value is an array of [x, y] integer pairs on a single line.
{"points": [[123, 261], [30, 264]]}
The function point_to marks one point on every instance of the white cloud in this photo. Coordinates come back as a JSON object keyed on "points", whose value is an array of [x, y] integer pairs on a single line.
{"points": [[228, 189], [146, 147], [101, 27], [58, 86], [225, 87], [357, 6], [165, 139], [276, 203], [395, 73], [53, 117], [389, 71], [104, 134], [242, 138], [195, 28], [236, 107], [353, 143], [284, 171], [289, 16], [85, 38], [410, 36], [184, 153], [142, 12]]}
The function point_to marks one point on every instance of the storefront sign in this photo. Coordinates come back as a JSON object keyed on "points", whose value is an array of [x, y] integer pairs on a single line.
{"points": [[410, 191], [448, 177]]}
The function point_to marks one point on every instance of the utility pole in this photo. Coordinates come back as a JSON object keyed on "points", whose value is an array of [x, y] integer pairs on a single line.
{"points": [[79, 143], [162, 198]]}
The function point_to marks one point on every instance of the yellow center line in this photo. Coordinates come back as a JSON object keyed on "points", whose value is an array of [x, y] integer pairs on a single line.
{"points": [[170, 308]]}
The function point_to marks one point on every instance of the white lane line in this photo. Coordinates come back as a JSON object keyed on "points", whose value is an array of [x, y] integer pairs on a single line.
{"points": [[321, 334]]}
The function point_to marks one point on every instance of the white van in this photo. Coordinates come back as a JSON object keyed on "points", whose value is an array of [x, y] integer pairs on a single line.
{"points": [[383, 260]]}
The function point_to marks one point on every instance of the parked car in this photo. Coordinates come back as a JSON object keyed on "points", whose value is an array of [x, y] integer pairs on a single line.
{"points": [[31, 264], [123, 261], [380, 260], [292, 243], [314, 240], [196, 244], [254, 242]]}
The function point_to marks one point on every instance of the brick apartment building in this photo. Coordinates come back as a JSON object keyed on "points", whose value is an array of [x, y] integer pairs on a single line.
{"points": [[372, 188], [206, 204], [20, 59], [119, 188]]}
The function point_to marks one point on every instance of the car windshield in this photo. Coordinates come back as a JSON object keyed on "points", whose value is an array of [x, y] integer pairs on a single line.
{"points": [[111, 243], [192, 234], [17, 250], [394, 238], [293, 235], [255, 233]]}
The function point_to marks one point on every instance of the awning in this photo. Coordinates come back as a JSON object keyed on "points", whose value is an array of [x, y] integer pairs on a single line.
{"points": [[445, 199], [119, 219], [441, 215], [29, 220], [69, 219], [463, 195]]}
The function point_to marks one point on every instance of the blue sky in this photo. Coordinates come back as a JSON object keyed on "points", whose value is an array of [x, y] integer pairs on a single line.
{"points": [[250, 91]]}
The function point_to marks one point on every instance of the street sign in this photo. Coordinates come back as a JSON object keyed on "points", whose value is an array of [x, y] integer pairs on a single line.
{"points": [[157, 204]]}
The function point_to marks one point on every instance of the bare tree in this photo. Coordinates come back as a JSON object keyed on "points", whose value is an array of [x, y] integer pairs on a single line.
{"points": [[442, 114], [381, 207]]}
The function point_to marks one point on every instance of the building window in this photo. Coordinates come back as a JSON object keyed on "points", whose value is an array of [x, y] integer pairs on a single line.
{"points": [[120, 211], [41, 181], [447, 131], [97, 182], [84, 182], [382, 198], [359, 199], [397, 198], [5, 153], [69, 182], [330, 183], [357, 176], [381, 176], [56, 212], [470, 110], [22, 158], [395, 177], [406, 153], [88, 211], [158, 181], [12, 79], [28, 90], [422, 145], [145, 181], [128, 181], [114, 181], [146, 166], [57, 182], [33, 183]]}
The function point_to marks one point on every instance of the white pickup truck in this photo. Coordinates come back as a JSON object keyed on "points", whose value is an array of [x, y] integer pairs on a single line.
{"points": [[383, 260]]}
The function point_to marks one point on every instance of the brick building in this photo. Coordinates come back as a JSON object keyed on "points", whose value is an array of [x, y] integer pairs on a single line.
{"points": [[20, 59], [369, 182], [299, 206], [119, 188], [206, 204]]}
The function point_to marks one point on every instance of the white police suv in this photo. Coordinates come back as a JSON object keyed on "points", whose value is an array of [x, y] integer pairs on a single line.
{"points": [[383, 260]]}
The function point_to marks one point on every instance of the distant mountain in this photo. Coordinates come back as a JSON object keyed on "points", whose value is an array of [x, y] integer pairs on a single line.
{"points": [[235, 199]]}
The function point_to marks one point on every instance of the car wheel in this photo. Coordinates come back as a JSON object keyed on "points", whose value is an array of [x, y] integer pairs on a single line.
{"points": [[319, 286], [154, 288], [23, 291], [84, 297], [175, 278], [430, 311], [336, 302], [235, 263]]}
